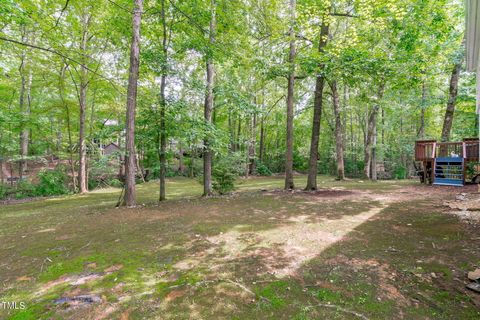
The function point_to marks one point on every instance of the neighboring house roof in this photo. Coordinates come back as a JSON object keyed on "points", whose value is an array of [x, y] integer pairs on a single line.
{"points": [[110, 148], [110, 122]]}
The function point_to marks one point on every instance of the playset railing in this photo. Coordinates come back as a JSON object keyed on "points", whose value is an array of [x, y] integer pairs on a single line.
{"points": [[430, 149]]}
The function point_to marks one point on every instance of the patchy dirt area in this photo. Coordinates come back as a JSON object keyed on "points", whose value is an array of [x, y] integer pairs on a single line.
{"points": [[466, 206], [350, 250]]}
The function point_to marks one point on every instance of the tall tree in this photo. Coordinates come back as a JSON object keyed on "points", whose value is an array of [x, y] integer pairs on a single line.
{"points": [[421, 130], [208, 107], [82, 99], [317, 111], [130, 156], [289, 184], [163, 103], [339, 141], [370, 169], [452, 99], [24, 106]]}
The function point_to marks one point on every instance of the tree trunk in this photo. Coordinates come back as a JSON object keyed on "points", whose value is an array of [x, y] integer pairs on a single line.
{"points": [[181, 165], [231, 130], [421, 130], [23, 131], [317, 113], [339, 146], [163, 84], [239, 133], [353, 156], [130, 163], [452, 99], [370, 137], [191, 170], [261, 146], [252, 144], [82, 97], [261, 143], [82, 172], [208, 109], [247, 151], [369, 140], [373, 170], [69, 127], [290, 101]]}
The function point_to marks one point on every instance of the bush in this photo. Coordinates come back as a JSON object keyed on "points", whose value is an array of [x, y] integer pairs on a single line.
{"points": [[115, 183], [102, 170], [263, 170], [400, 172], [196, 170], [52, 182], [226, 170], [24, 189], [223, 180], [4, 190]]}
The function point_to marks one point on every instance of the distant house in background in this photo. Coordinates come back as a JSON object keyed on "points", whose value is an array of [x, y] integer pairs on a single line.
{"points": [[109, 143], [110, 148]]}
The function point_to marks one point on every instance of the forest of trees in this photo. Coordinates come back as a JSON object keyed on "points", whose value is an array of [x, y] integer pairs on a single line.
{"points": [[217, 89]]}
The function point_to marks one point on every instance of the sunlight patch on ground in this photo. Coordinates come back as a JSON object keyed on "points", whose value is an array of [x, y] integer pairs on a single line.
{"points": [[292, 244]]}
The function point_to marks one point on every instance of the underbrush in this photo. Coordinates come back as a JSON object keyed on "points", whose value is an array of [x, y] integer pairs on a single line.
{"points": [[50, 183]]}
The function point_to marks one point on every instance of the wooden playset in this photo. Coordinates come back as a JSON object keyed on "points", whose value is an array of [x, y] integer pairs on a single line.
{"points": [[446, 163]]}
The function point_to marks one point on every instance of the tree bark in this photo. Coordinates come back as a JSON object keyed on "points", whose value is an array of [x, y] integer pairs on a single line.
{"points": [[208, 109], [239, 133], [163, 84], [452, 99], [231, 130], [130, 163], [370, 137], [421, 130], [23, 131], [61, 88], [289, 184], [82, 97], [317, 113], [252, 144], [181, 165], [261, 145], [248, 125], [339, 141], [25, 89]]}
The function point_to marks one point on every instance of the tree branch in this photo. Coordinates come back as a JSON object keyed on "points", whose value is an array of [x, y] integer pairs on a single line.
{"points": [[189, 18], [340, 14], [61, 13], [58, 53]]}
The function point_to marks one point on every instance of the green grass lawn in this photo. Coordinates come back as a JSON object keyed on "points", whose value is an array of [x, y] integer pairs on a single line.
{"points": [[355, 249]]}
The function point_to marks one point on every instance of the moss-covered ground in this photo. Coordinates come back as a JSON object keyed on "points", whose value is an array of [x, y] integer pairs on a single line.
{"points": [[353, 250]]}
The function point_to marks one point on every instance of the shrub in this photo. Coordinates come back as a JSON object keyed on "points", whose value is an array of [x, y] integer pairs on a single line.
{"points": [[52, 182], [3, 191], [223, 180], [24, 189], [115, 183], [400, 172], [263, 170], [226, 170], [195, 170]]}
